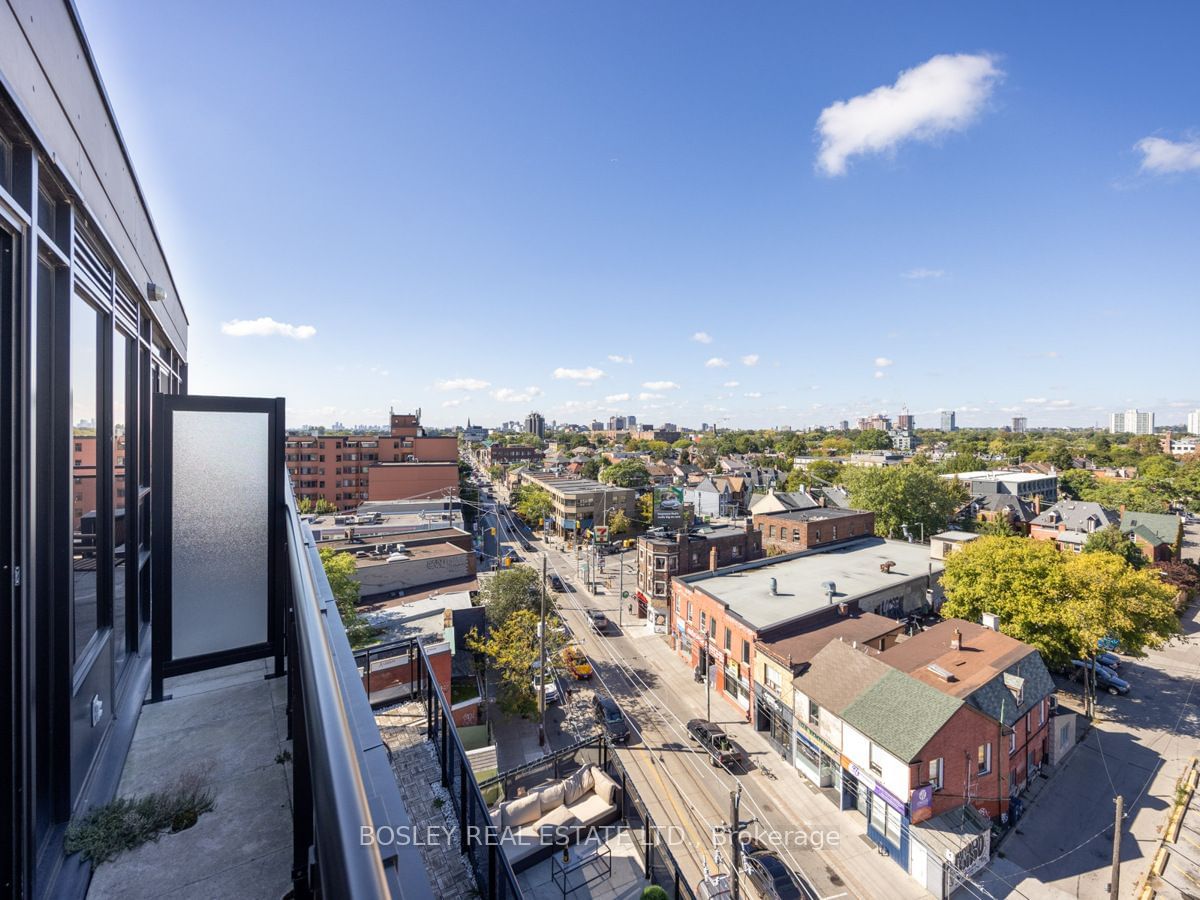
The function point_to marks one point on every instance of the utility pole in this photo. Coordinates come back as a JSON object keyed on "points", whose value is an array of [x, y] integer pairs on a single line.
{"points": [[735, 838], [542, 665], [621, 590], [1114, 885], [707, 681]]}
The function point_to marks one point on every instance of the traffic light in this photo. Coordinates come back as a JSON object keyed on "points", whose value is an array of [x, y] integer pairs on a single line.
{"points": [[493, 530]]}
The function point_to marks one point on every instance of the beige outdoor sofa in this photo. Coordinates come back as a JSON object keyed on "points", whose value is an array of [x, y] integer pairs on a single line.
{"points": [[531, 827]]}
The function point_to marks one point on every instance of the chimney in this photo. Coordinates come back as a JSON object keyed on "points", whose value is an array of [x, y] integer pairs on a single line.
{"points": [[1037, 504], [1122, 509], [956, 642], [712, 560]]}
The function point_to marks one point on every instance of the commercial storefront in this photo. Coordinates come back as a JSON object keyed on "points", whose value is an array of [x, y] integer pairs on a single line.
{"points": [[817, 759], [886, 815]]}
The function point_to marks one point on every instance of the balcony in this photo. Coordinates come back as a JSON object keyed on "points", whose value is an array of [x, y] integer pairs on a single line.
{"points": [[295, 763]]}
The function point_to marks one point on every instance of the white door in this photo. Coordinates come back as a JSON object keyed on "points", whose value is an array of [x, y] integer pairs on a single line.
{"points": [[917, 861]]}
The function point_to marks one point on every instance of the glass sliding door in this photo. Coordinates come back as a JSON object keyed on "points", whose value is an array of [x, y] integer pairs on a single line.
{"points": [[85, 456], [124, 555]]}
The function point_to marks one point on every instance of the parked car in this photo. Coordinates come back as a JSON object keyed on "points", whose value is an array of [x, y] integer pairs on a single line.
{"points": [[556, 584], [609, 715], [576, 662], [1110, 660], [598, 621], [772, 879], [1106, 678], [712, 737], [548, 682]]}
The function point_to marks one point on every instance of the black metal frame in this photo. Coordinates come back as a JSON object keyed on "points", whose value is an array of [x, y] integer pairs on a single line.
{"points": [[163, 663]]}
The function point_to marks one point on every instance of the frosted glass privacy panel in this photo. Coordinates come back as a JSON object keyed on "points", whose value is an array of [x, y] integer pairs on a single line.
{"points": [[219, 552]]}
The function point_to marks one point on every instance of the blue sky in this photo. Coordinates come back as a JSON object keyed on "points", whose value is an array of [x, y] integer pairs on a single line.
{"points": [[480, 209]]}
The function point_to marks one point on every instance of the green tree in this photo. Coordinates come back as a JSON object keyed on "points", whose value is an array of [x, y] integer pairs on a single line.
{"points": [[645, 505], [591, 468], [512, 648], [628, 473], [1076, 483], [998, 526], [872, 440], [1060, 603], [534, 504], [1111, 540], [904, 495], [618, 522], [510, 591], [343, 582]]}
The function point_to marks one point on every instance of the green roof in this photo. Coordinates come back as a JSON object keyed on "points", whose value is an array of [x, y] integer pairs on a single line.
{"points": [[1160, 528], [900, 713]]}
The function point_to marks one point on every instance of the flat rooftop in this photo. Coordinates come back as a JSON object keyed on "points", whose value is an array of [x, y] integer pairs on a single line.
{"points": [[408, 554], [982, 655], [814, 514], [853, 567], [999, 475], [955, 536], [372, 537]]}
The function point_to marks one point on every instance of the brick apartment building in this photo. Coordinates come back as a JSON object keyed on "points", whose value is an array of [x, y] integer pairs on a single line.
{"points": [[662, 557], [507, 455], [401, 464], [802, 529]]}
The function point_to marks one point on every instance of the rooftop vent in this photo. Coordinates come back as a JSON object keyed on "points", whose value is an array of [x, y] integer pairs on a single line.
{"points": [[772, 585], [940, 672], [956, 642], [886, 567]]}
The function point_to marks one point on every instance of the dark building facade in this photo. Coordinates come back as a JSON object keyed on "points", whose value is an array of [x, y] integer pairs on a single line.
{"points": [[92, 330]]}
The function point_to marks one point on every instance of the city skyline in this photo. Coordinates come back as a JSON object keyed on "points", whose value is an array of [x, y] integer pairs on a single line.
{"points": [[949, 209]]}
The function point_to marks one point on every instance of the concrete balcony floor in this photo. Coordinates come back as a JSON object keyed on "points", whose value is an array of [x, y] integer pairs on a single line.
{"points": [[231, 722]]}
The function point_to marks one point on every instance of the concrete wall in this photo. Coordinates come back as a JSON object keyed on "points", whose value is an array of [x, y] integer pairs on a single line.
{"points": [[409, 574]]}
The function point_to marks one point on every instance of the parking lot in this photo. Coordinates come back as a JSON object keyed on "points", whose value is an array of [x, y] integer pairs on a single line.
{"points": [[1138, 747]]}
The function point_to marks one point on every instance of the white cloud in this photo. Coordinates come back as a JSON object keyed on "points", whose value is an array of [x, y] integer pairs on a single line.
{"points": [[879, 373], [938, 97], [462, 384], [514, 395], [1163, 157], [753, 395], [660, 385], [618, 358], [583, 376], [616, 398], [920, 274], [458, 402], [265, 326], [702, 337], [882, 362], [647, 395], [1060, 403], [717, 363], [1035, 401], [731, 384], [750, 359]]}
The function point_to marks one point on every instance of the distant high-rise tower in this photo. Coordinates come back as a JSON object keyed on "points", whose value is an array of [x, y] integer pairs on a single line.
{"points": [[1020, 424], [1193, 422], [535, 424], [1132, 421], [905, 421], [949, 422]]}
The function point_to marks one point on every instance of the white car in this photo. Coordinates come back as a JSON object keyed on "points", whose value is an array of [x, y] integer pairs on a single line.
{"points": [[550, 684], [668, 503]]}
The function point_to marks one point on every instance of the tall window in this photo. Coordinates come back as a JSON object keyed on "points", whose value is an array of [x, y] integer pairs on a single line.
{"points": [[120, 421], [745, 651], [983, 759], [728, 639], [84, 406], [935, 773], [814, 714]]}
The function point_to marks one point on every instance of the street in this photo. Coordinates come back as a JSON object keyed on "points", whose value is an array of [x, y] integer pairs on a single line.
{"points": [[677, 781]]}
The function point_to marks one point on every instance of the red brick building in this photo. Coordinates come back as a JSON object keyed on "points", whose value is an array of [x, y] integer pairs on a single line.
{"points": [[404, 463], [802, 529]]}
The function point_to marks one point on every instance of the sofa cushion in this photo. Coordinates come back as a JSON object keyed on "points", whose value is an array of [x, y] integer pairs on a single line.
{"points": [[522, 811], [591, 810], [604, 786], [553, 796], [557, 826], [578, 784]]}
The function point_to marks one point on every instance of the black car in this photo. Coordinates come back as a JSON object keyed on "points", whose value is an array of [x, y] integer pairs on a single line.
{"points": [[773, 880], [610, 716], [712, 737], [556, 584]]}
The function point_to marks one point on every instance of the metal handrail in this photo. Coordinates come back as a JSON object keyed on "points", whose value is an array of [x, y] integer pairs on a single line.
{"points": [[348, 866]]}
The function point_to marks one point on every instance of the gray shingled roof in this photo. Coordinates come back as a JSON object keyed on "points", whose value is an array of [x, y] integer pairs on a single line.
{"points": [[994, 699], [900, 713], [1074, 515]]}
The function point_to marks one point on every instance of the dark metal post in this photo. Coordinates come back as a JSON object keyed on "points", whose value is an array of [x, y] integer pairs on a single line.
{"points": [[646, 828], [444, 756], [462, 805]]}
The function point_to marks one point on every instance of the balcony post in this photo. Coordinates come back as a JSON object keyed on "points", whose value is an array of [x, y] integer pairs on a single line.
{"points": [[463, 818]]}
